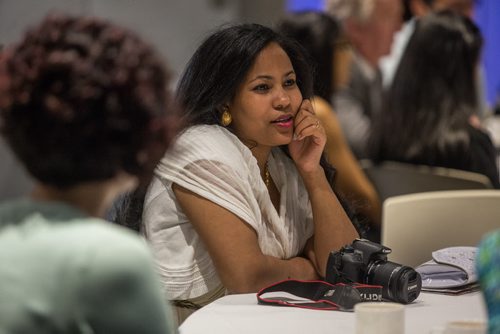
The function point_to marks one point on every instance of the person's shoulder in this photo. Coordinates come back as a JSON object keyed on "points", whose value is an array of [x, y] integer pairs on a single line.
{"points": [[90, 241], [75, 243], [478, 134], [327, 116], [321, 106], [204, 138], [113, 273], [202, 134], [491, 241], [480, 143], [107, 237], [207, 143], [102, 251], [488, 252]]}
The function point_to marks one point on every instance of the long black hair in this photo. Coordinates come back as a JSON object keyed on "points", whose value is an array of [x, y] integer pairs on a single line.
{"points": [[318, 33], [433, 95], [220, 64], [213, 76]]}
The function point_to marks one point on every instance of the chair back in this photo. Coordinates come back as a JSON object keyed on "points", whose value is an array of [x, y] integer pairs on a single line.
{"points": [[395, 178], [415, 225]]}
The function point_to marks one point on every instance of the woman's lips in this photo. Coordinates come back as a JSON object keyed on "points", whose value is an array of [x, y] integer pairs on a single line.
{"points": [[284, 122]]}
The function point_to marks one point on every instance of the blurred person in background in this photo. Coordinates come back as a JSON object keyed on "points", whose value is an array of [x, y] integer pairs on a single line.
{"points": [[84, 110], [369, 26], [428, 115], [330, 56], [488, 271], [420, 8], [464, 7], [417, 9]]}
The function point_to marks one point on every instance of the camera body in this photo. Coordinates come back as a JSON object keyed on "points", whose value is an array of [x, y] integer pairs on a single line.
{"points": [[366, 262]]}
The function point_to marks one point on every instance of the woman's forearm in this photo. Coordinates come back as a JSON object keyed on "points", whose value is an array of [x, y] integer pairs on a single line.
{"points": [[332, 227], [268, 270]]}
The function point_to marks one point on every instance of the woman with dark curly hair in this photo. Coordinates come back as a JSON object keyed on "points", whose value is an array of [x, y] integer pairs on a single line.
{"points": [[85, 112], [243, 199]]}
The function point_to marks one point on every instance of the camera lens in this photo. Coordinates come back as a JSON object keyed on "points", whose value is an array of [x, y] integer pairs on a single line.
{"points": [[399, 283]]}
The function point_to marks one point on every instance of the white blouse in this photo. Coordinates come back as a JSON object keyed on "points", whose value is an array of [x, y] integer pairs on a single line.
{"points": [[212, 162]]}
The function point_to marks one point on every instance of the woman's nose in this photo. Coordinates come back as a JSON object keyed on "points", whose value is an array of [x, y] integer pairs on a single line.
{"points": [[282, 100]]}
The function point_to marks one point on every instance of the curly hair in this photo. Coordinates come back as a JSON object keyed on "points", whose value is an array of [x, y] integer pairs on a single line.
{"points": [[87, 99]]}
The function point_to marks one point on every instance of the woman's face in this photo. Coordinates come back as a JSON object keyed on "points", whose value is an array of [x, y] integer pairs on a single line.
{"points": [[264, 107]]}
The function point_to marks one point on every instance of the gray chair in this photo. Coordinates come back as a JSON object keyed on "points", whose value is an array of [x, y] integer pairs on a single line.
{"points": [[415, 225], [395, 178]]}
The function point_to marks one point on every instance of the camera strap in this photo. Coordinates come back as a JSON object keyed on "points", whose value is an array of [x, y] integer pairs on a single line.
{"points": [[319, 295]]}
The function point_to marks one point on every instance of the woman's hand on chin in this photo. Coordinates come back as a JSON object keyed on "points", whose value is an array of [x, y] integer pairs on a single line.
{"points": [[309, 139]]}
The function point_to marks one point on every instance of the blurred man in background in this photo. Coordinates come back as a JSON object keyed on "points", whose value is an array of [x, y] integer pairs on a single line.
{"points": [[370, 26]]}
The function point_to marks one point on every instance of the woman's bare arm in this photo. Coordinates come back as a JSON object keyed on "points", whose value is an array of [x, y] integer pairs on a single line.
{"points": [[234, 248], [351, 180], [332, 227]]}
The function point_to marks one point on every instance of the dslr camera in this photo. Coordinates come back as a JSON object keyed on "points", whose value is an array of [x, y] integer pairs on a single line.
{"points": [[366, 262]]}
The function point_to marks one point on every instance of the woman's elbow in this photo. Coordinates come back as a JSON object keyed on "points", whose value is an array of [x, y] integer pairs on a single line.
{"points": [[247, 279]]}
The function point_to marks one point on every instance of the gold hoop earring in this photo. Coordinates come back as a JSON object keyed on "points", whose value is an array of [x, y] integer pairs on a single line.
{"points": [[226, 118]]}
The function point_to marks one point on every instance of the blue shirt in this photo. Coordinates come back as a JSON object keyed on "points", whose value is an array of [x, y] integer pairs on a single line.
{"points": [[488, 270]]}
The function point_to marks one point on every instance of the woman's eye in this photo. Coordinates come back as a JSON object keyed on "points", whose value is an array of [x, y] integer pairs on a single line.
{"points": [[290, 82], [261, 88]]}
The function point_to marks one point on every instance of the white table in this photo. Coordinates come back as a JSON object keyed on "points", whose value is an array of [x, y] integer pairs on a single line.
{"points": [[240, 314]]}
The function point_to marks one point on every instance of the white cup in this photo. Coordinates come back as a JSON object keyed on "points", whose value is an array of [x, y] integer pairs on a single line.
{"points": [[465, 327], [379, 318]]}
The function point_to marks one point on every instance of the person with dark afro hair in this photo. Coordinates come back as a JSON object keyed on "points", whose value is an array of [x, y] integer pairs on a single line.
{"points": [[87, 112]]}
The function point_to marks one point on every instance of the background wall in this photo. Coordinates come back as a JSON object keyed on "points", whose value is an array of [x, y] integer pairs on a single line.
{"points": [[176, 27], [487, 17]]}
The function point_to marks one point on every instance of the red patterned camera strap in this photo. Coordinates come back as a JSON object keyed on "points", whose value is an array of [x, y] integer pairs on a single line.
{"points": [[319, 295]]}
